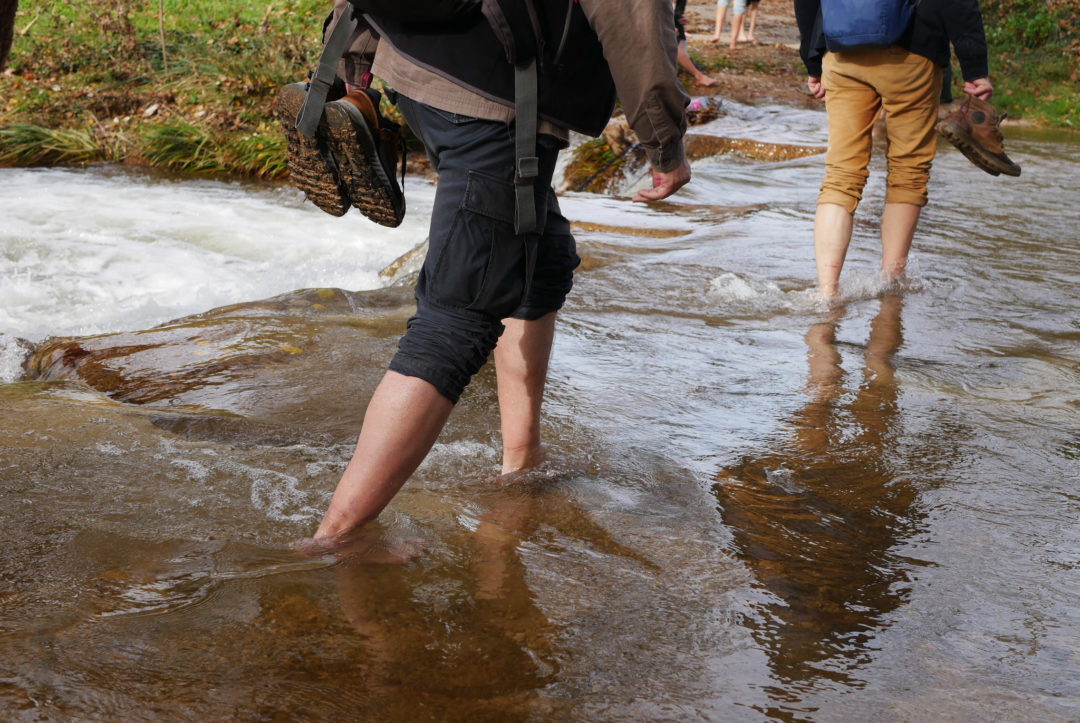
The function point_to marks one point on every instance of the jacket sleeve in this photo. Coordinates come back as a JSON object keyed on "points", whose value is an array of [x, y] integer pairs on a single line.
{"points": [[811, 40], [360, 53], [964, 28], [639, 41]]}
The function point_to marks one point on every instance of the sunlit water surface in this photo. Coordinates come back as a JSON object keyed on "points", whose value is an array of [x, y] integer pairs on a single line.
{"points": [[758, 508]]}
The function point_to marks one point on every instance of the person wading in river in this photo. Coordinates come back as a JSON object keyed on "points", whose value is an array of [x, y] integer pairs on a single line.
{"points": [[904, 78], [484, 287]]}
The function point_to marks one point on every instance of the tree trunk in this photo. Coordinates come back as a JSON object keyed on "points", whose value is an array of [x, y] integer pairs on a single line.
{"points": [[7, 28]]}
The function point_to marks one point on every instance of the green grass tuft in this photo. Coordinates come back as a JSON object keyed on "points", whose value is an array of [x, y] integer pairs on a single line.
{"points": [[31, 145], [180, 145]]}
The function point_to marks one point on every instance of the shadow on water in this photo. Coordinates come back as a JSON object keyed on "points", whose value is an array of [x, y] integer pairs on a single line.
{"points": [[818, 522]]}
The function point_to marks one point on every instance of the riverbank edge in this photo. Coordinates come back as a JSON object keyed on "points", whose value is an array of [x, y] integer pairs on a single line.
{"points": [[181, 114]]}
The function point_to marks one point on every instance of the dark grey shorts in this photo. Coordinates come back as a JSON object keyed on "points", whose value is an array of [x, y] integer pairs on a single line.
{"points": [[478, 271]]}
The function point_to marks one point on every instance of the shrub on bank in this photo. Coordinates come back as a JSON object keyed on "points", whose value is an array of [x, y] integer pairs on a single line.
{"points": [[1035, 58]]}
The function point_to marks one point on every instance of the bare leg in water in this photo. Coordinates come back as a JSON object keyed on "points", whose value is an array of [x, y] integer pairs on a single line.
{"points": [[406, 415], [521, 365], [832, 235]]}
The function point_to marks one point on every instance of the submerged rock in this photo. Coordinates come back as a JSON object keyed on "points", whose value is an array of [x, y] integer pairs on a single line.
{"points": [[280, 363]]}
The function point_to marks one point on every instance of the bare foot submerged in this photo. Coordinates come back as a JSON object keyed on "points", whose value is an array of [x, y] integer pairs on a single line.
{"points": [[515, 460], [370, 544], [550, 468]]}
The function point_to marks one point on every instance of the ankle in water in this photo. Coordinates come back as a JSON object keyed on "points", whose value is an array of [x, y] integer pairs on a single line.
{"points": [[517, 459]]}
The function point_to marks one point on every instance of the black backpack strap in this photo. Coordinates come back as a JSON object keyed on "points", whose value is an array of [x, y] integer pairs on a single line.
{"points": [[307, 120], [526, 162], [517, 28]]}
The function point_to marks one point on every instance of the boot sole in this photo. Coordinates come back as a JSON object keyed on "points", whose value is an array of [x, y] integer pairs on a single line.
{"points": [[369, 186], [312, 168], [975, 152]]}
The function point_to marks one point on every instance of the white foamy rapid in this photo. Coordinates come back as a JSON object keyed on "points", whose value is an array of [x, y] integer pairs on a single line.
{"points": [[104, 249]]}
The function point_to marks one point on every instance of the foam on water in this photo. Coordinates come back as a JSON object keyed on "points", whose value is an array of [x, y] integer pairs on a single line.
{"points": [[740, 295], [11, 356], [131, 251]]}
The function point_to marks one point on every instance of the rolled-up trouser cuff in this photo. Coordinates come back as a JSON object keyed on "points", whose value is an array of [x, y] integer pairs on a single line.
{"points": [[446, 347], [904, 195], [847, 200], [532, 313]]}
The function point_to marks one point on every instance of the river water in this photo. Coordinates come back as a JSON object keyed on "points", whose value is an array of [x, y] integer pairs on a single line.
{"points": [[757, 508]]}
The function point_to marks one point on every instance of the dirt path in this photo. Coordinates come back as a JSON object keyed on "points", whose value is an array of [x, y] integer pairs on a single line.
{"points": [[767, 70]]}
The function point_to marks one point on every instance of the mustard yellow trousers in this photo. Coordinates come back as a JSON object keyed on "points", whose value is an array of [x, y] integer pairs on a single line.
{"points": [[858, 85]]}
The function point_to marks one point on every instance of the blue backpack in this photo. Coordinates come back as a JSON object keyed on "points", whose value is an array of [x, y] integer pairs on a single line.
{"points": [[858, 24]]}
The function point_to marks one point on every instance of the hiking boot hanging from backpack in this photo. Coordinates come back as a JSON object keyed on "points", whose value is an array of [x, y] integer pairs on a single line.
{"points": [[351, 159], [974, 128]]}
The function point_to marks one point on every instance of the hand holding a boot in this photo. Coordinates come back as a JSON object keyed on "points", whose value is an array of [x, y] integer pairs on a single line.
{"points": [[980, 88]]}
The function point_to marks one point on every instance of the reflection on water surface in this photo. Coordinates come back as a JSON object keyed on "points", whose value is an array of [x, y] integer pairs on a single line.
{"points": [[818, 519]]}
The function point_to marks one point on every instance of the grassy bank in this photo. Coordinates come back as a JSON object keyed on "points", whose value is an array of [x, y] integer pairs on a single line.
{"points": [[1035, 59], [183, 85], [190, 85]]}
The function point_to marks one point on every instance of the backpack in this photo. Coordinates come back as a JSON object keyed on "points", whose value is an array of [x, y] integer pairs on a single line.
{"points": [[419, 11], [515, 26], [860, 24]]}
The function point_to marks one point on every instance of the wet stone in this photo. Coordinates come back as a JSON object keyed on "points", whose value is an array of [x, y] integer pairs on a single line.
{"points": [[266, 362]]}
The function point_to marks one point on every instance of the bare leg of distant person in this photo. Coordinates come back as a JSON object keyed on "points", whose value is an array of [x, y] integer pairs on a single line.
{"points": [[721, 15], [736, 28], [751, 20], [687, 63], [832, 235], [898, 223]]}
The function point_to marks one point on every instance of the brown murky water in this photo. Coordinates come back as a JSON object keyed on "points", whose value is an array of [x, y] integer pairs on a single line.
{"points": [[758, 508]]}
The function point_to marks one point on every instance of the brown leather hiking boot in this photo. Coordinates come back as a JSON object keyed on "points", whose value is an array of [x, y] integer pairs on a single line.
{"points": [[366, 146], [312, 167], [352, 158], [974, 128]]}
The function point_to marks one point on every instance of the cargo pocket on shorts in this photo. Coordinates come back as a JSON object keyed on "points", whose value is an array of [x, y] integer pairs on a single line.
{"points": [[483, 266]]}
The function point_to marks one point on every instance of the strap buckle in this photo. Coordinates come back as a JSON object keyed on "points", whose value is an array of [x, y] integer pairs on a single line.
{"points": [[528, 168]]}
